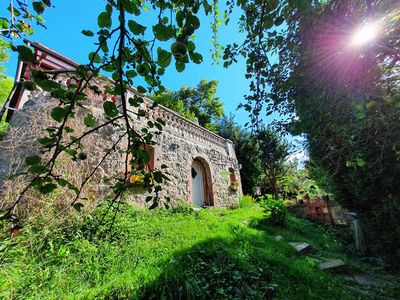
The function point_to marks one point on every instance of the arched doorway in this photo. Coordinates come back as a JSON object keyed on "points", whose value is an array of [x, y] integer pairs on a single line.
{"points": [[201, 183]]}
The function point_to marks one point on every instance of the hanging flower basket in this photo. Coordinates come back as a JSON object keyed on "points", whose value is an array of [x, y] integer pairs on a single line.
{"points": [[136, 179], [136, 183]]}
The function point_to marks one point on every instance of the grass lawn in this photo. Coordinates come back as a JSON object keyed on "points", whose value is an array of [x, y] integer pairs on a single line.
{"points": [[181, 254], [6, 85]]}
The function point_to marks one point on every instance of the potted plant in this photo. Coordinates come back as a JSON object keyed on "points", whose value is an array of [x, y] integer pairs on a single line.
{"points": [[136, 179], [234, 185]]}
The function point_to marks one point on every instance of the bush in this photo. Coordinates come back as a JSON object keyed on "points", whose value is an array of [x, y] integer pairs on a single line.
{"points": [[182, 208], [275, 210], [246, 201]]}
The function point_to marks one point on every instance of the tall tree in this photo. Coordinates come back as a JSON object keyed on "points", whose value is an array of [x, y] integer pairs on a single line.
{"points": [[170, 100], [344, 96], [200, 102], [274, 152], [247, 152]]}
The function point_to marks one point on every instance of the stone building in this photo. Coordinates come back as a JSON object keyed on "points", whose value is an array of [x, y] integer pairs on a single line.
{"points": [[203, 167]]}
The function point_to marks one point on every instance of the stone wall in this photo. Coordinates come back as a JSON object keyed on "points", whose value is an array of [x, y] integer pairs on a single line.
{"points": [[180, 143]]}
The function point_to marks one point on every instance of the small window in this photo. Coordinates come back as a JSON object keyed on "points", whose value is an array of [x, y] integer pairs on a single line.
{"points": [[150, 164]]}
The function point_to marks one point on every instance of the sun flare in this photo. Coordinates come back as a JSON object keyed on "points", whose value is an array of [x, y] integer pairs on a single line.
{"points": [[365, 34]]}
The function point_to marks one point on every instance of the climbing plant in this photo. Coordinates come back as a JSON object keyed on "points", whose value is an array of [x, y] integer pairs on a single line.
{"points": [[126, 50]]}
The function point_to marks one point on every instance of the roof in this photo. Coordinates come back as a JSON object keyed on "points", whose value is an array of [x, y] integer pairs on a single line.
{"points": [[48, 59]]}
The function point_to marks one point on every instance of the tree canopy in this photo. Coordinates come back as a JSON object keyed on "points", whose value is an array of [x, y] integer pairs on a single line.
{"points": [[345, 99], [199, 102]]}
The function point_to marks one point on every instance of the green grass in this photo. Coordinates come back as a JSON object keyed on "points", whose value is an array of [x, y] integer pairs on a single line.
{"points": [[162, 254], [6, 85]]}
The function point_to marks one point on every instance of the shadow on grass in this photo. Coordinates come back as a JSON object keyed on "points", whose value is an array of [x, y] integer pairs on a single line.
{"points": [[215, 269], [246, 265], [318, 235]]}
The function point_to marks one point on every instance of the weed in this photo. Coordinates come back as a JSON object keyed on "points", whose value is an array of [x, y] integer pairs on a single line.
{"points": [[246, 201]]}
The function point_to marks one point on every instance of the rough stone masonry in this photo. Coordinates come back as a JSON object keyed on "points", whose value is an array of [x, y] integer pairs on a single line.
{"points": [[181, 144]]}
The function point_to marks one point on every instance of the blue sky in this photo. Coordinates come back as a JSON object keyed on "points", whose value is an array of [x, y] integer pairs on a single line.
{"points": [[63, 34], [66, 20]]}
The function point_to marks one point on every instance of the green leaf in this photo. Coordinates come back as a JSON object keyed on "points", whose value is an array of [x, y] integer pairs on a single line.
{"points": [[47, 2], [191, 46], [71, 152], [25, 54], [158, 177], [180, 66], [82, 155], [131, 7], [46, 142], [4, 23], [109, 68], [153, 206], [104, 47], [89, 120], [273, 4], [109, 8], [180, 16], [161, 121], [164, 58], [197, 58], [158, 125], [279, 21], [162, 32], [47, 188], [81, 70], [118, 186], [95, 57], [141, 89], [78, 206], [360, 162], [48, 85], [193, 22], [104, 20], [29, 85], [33, 160], [13, 176], [59, 113], [131, 73], [110, 109], [37, 169], [136, 28], [38, 7], [62, 182], [87, 32]]}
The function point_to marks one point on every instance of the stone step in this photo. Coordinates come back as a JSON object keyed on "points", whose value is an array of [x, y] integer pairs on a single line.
{"points": [[331, 264], [300, 246]]}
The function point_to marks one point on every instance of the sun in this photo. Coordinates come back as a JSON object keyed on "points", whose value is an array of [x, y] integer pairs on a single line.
{"points": [[365, 34]]}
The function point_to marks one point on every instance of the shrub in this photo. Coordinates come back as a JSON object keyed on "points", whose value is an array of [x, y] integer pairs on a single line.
{"points": [[234, 205], [275, 210], [182, 207], [246, 201]]}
